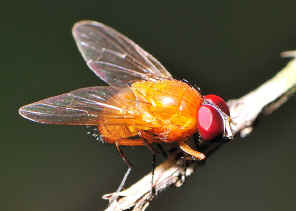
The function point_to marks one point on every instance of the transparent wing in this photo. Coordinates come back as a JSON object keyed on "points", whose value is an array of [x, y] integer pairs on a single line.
{"points": [[113, 57], [86, 106]]}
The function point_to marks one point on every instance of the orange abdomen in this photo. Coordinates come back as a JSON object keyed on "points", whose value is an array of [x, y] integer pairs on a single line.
{"points": [[166, 112]]}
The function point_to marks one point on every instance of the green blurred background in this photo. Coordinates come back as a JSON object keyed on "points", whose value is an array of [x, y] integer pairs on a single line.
{"points": [[226, 47]]}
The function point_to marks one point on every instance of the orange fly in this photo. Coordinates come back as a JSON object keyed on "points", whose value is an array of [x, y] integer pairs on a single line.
{"points": [[143, 103]]}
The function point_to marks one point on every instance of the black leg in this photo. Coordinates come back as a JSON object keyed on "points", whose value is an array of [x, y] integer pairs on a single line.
{"points": [[153, 169], [162, 150], [197, 140], [150, 147]]}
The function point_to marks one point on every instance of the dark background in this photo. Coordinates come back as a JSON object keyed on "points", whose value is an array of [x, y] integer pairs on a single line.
{"points": [[226, 47]]}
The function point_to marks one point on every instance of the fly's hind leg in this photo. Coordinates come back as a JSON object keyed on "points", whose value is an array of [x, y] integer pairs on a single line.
{"points": [[128, 163], [196, 154]]}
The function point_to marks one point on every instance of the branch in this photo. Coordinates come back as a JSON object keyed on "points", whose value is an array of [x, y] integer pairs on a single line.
{"points": [[244, 111]]}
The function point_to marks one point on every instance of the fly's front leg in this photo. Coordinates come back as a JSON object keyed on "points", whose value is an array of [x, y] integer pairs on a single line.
{"points": [[186, 148], [197, 139]]}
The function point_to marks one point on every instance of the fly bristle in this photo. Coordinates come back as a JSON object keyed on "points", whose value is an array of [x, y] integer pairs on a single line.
{"points": [[93, 131], [193, 85]]}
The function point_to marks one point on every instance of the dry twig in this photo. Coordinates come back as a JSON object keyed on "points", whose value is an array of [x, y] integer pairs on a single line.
{"points": [[268, 97]]}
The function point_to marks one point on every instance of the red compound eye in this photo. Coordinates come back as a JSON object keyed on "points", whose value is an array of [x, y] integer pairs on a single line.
{"points": [[209, 122], [218, 101]]}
